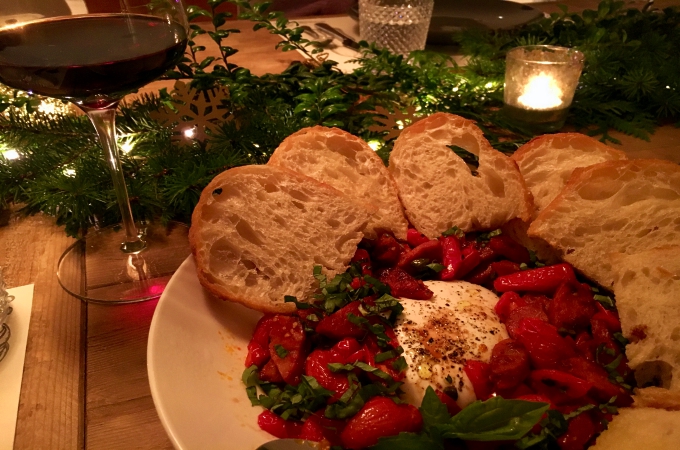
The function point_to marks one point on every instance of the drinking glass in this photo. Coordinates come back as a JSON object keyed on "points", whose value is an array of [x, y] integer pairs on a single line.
{"points": [[399, 25], [93, 58]]}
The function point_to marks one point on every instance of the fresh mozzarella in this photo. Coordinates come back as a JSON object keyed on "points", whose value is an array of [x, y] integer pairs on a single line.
{"points": [[439, 335]]}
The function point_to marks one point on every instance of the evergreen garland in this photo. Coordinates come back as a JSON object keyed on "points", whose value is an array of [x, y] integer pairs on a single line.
{"points": [[630, 83]]}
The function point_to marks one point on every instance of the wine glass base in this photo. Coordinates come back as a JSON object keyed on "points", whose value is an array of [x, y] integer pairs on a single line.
{"points": [[95, 270]]}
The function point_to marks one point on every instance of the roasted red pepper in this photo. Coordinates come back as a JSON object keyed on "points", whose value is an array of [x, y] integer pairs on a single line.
{"points": [[387, 250], [362, 258], [404, 285], [452, 257], [415, 238], [543, 279], [566, 383], [431, 250], [544, 344], [505, 246], [509, 365], [479, 374], [380, 417]]}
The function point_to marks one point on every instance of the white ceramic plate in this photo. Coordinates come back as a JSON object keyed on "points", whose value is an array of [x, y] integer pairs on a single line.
{"points": [[195, 358]]}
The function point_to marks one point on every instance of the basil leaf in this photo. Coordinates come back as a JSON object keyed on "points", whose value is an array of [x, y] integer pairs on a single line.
{"points": [[408, 441], [281, 351], [495, 419], [454, 231], [433, 410]]}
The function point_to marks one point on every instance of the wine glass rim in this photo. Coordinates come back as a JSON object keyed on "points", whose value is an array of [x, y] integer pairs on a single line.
{"points": [[72, 16]]}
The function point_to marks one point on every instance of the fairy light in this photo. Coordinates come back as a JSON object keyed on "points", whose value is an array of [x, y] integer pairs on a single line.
{"points": [[47, 107], [375, 144], [488, 85], [70, 172], [10, 154], [189, 133], [127, 146]]}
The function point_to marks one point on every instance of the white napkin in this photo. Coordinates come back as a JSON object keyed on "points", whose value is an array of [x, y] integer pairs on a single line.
{"points": [[12, 367]]}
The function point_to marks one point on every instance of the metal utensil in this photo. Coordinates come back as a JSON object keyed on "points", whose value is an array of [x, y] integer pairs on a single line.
{"points": [[289, 444], [310, 31], [346, 40]]}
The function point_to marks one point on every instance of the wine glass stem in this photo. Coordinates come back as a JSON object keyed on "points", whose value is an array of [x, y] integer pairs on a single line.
{"points": [[104, 121]]}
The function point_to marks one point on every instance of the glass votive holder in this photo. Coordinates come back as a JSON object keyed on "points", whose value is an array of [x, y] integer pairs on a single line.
{"points": [[540, 81]]}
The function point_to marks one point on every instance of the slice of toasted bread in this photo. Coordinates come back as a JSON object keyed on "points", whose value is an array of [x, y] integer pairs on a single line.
{"points": [[258, 231], [438, 189], [636, 428], [614, 206], [647, 289], [347, 163], [546, 162]]}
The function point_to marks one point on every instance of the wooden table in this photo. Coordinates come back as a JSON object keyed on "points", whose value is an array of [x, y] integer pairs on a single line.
{"points": [[85, 383]]}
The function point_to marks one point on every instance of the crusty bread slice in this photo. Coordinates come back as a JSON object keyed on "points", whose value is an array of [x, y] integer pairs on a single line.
{"points": [[657, 397], [546, 162], [437, 188], [637, 428], [257, 232], [647, 289], [347, 163], [614, 206]]}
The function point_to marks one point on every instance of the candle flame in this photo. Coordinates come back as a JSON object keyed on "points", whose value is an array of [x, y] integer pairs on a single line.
{"points": [[541, 92]]}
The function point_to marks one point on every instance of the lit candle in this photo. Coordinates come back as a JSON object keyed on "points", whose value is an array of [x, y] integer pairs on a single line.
{"points": [[541, 92], [540, 81]]}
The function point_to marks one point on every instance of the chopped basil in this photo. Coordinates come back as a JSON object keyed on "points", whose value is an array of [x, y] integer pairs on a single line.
{"points": [[604, 300], [291, 402], [384, 356], [449, 379], [483, 237], [454, 231], [436, 267], [298, 305], [400, 364], [281, 351]]}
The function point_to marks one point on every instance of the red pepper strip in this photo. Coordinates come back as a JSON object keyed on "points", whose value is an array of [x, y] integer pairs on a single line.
{"points": [[609, 318], [471, 259], [481, 275], [504, 304], [504, 245], [542, 279], [362, 258], [415, 238], [479, 372], [570, 385], [505, 267], [431, 250], [452, 257]]}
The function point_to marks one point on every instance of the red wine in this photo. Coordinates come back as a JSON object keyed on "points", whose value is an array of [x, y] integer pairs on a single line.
{"points": [[82, 56]]}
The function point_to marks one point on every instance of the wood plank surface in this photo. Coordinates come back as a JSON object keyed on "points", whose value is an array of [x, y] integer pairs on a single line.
{"points": [[51, 404], [85, 383]]}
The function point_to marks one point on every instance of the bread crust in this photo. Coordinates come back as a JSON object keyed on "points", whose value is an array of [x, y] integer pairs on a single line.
{"points": [[546, 162], [599, 196], [346, 162], [561, 140], [233, 289], [434, 182]]}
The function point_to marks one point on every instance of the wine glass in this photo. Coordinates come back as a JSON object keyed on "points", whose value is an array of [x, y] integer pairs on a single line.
{"points": [[93, 58]]}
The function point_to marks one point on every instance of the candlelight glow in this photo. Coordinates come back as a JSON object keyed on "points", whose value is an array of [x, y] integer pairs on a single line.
{"points": [[541, 92]]}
